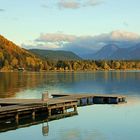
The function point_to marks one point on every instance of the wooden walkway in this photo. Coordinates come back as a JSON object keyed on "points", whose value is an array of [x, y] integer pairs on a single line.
{"points": [[20, 108], [61, 105], [87, 99]]}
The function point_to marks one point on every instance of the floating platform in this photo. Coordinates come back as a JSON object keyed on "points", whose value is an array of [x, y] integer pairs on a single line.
{"points": [[87, 99], [14, 111]]}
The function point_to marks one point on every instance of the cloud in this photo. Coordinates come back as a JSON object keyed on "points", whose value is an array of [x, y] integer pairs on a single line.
{"points": [[83, 44], [2, 10], [56, 37], [71, 4], [124, 36], [92, 3], [68, 4], [75, 4], [117, 36]]}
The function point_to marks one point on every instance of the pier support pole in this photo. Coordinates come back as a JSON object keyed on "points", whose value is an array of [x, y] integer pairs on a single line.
{"points": [[45, 96], [63, 110], [33, 115], [49, 112], [75, 108], [17, 118]]}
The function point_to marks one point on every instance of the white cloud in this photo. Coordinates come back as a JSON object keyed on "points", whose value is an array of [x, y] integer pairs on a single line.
{"points": [[121, 36], [83, 44], [56, 37]]}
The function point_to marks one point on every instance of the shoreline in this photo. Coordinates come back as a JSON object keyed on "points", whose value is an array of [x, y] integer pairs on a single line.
{"points": [[72, 71]]}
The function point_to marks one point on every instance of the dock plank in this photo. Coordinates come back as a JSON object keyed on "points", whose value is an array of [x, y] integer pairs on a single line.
{"points": [[54, 106]]}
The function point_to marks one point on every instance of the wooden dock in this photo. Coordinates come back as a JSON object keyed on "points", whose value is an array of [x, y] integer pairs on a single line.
{"points": [[89, 99], [16, 109], [60, 106]]}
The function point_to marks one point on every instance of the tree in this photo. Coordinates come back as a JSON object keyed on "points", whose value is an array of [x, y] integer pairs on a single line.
{"points": [[104, 65], [76, 66], [116, 65], [138, 65], [123, 65], [6, 63], [14, 62], [1, 59], [1, 56]]}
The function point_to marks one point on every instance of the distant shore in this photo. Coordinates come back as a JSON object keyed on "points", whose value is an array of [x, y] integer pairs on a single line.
{"points": [[70, 66], [101, 70]]}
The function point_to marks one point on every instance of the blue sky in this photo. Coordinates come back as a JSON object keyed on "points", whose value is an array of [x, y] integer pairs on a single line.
{"points": [[24, 21]]}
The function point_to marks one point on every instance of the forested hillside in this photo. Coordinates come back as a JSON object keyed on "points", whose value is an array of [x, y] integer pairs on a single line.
{"points": [[55, 55], [12, 57]]}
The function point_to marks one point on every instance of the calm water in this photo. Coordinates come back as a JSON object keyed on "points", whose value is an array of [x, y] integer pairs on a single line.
{"points": [[96, 122]]}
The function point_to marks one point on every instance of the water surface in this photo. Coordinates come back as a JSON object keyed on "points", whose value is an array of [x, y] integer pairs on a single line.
{"points": [[96, 122]]}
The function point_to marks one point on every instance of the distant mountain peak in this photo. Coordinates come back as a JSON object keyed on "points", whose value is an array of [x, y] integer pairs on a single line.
{"points": [[111, 46], [114, 52], [106, 51]]}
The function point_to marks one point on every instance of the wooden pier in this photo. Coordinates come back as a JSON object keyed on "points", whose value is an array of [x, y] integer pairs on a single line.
{"points": [[89, 99], [14, 111]]}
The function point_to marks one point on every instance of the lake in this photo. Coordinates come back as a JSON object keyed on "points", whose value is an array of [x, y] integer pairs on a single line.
{"points": [[95, 122]]}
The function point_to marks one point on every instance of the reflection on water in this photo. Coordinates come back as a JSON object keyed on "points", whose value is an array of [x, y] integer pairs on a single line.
{"points": [[70, 134], [75, 134], [99, 122], [45, 129], [96, 122], [13, 125], [8, 124], [19, 85]]}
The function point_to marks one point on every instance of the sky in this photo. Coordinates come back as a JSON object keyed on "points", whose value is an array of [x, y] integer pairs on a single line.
{"points": [[58, 23]]}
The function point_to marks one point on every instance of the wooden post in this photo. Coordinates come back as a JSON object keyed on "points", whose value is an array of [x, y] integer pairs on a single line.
{"points": [[45, 96], [17, 118], [75, 108], [63, 110], [33, 115], [49, 112]]}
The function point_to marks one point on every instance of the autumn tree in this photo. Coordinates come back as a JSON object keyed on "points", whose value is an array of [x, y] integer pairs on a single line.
{"points": [[14, 62]]}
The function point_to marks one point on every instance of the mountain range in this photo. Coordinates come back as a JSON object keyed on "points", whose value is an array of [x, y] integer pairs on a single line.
{"points": [[114, 52], [13, 55]]}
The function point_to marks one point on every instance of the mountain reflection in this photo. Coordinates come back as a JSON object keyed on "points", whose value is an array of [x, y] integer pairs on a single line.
{"points": [[69, 82]]}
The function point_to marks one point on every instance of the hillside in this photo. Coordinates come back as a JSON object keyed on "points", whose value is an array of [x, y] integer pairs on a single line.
{"points": [[14, 57], [56, 55]]}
